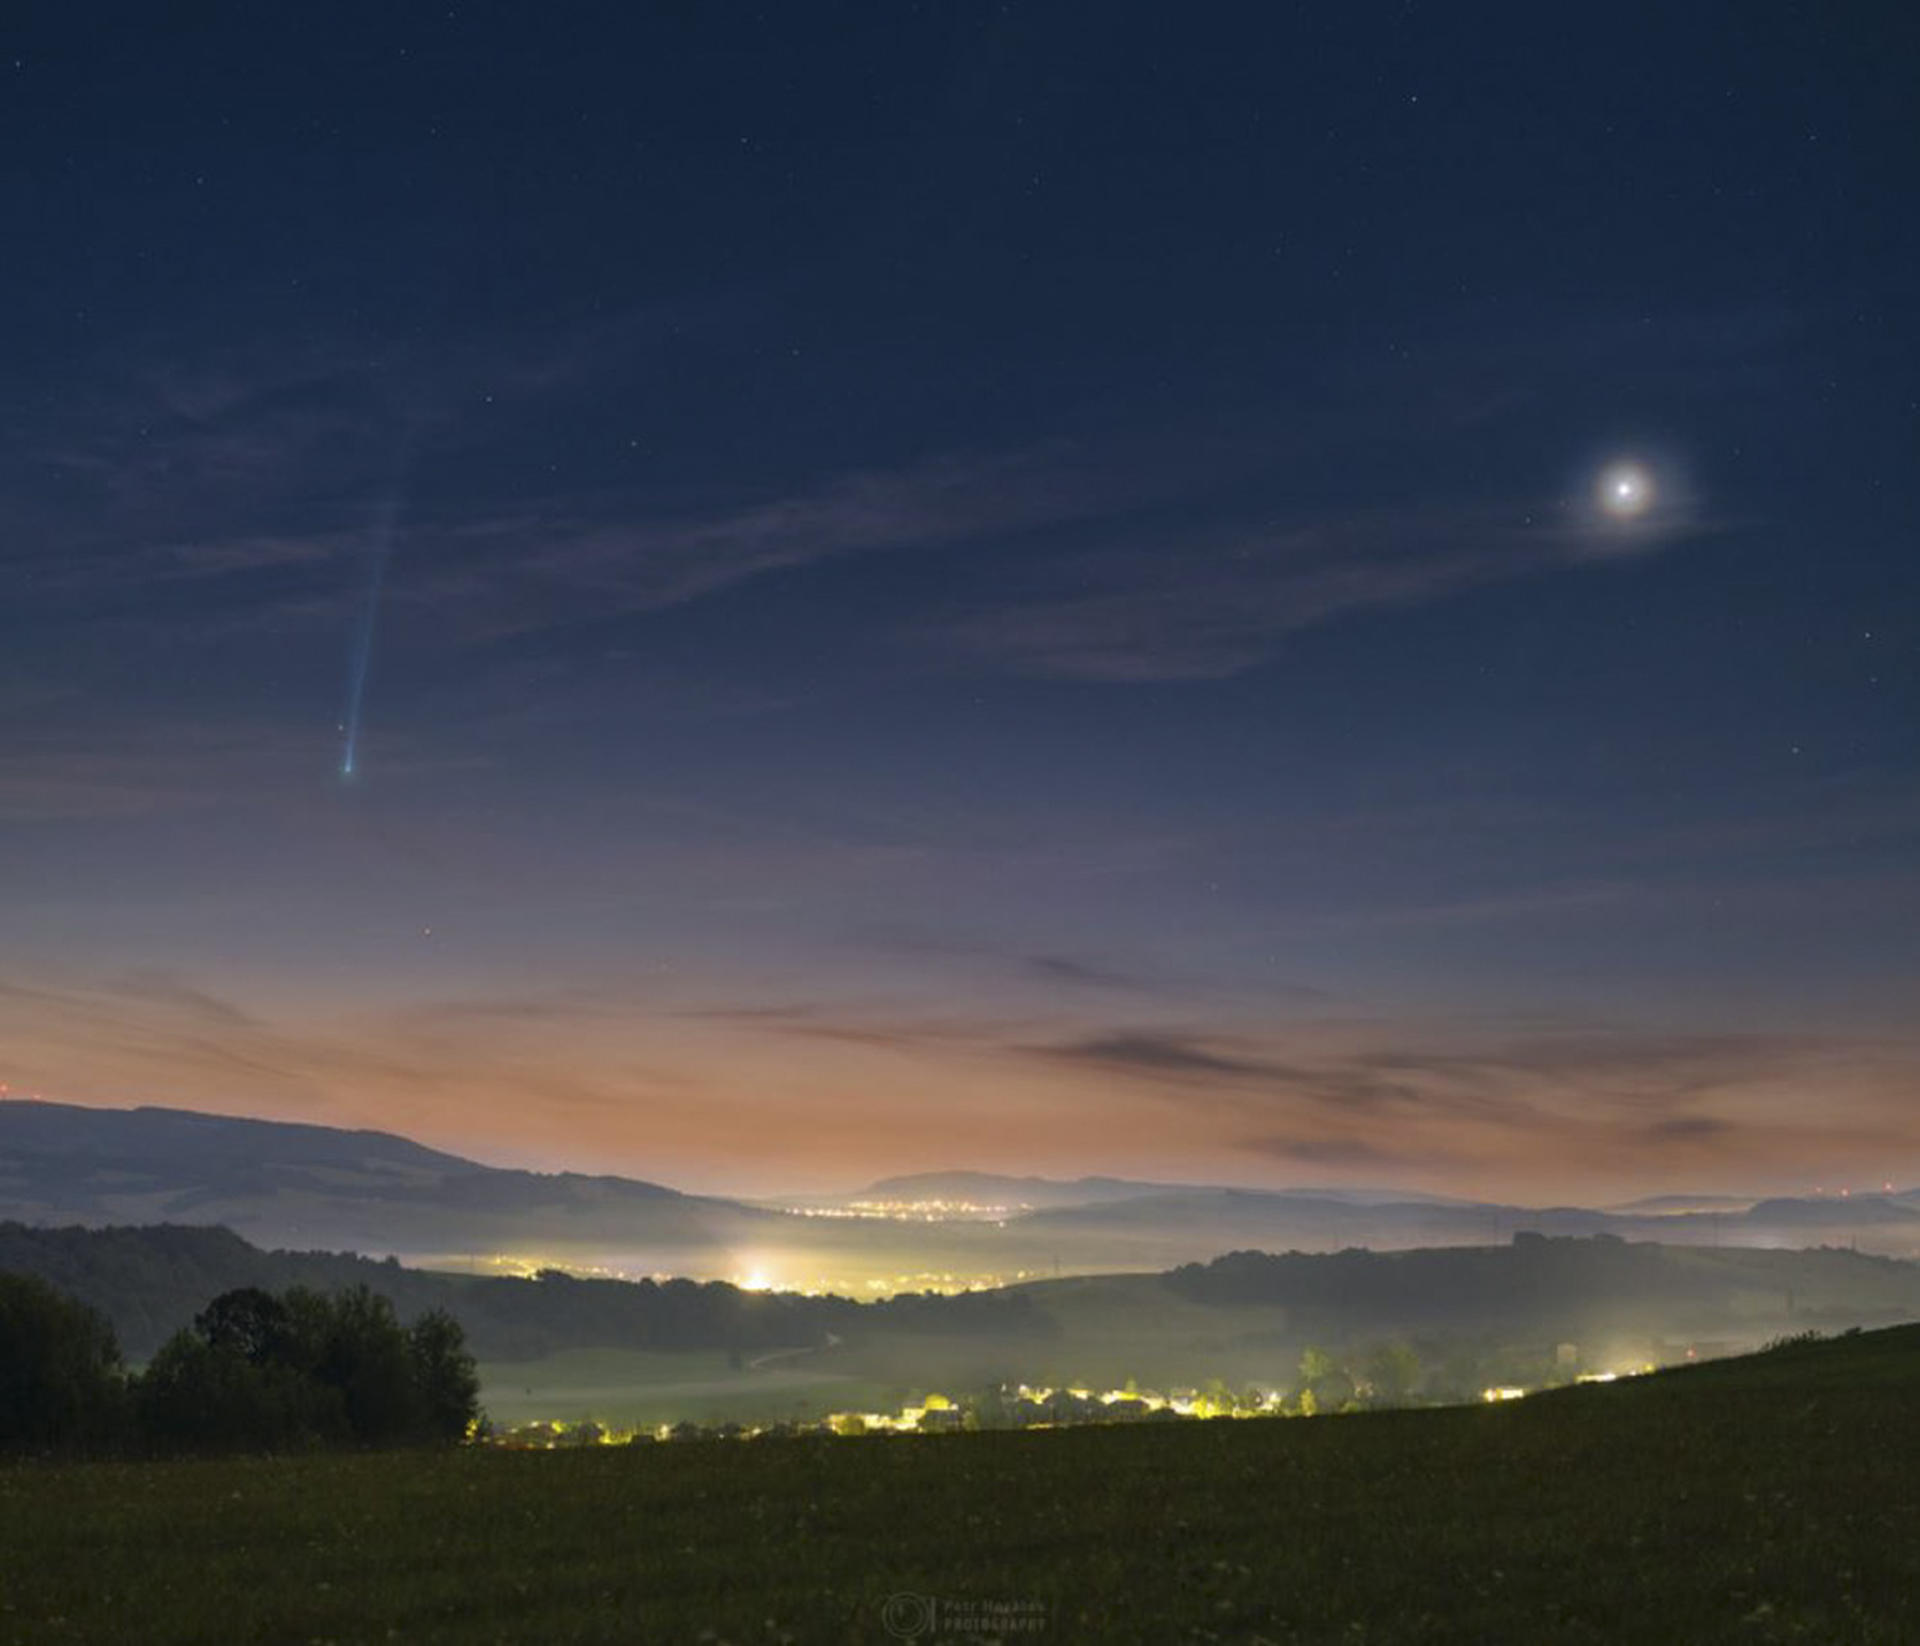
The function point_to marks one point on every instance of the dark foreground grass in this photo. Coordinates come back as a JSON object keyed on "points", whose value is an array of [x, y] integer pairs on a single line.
{"points": [[1715, 1506]]}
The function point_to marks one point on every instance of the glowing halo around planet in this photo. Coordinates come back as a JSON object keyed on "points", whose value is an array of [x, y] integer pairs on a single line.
{"points": [[1626, 491]]}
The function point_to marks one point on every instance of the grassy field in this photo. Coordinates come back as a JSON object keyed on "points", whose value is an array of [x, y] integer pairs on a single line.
{"points": [[632, 1388], [1767, 1500]]}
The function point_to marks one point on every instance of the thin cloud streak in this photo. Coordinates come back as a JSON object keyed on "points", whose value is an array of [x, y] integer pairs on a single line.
{"points": [[1209, 609]]}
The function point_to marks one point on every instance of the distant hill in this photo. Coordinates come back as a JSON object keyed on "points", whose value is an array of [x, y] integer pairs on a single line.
{"points": [[1834, 1211], [1051, 1193], [1161, 1229], [1661, 1203], [1577, 1284], [1152, 1227], [307, 1187], [317, 1185], [147, 1142], [149, 1282], [995, 1189]]}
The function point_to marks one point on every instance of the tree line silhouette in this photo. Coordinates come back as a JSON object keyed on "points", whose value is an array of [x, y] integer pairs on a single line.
{"points": [[256, 1371]]}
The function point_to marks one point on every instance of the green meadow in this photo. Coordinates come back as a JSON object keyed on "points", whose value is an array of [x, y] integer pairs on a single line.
{"points": [[635, 1388], [1768, 1499]]}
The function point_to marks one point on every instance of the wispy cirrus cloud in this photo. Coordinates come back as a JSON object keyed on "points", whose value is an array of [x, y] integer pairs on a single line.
{"points": [[1458, 1100], [1013, 965], [1157, 1054], [1475, 1098], [269, 527], [159, 1037], [1208, 604], [1345, 1153], [591, 558], [167, 989], [1060, 968]]}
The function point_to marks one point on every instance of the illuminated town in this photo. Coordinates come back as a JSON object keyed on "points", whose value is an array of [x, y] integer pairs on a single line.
{"points": [[915, 1211], [1020, 1406], [769, 1276]]}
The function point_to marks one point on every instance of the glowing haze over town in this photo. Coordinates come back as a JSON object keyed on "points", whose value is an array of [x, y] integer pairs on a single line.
{"points": [[759, 614]]}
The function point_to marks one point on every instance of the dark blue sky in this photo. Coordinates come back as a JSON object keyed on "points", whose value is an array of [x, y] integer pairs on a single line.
{"points": [[971, 585]]}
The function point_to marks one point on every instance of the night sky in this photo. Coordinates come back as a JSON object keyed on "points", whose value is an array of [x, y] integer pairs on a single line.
{"points": [[932, 585]]}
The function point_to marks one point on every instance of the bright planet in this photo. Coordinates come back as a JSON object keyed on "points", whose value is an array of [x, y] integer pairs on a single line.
{"points": [[1626, 491]]}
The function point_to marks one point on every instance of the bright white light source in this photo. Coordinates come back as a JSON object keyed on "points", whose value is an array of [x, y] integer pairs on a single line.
{"points": [[1626, 490]]}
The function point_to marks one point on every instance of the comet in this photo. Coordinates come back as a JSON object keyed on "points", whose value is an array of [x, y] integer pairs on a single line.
{"points": [[386, 529]]}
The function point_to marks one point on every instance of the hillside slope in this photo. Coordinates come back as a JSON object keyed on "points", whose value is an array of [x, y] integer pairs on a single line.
{"points": [[1687, 1510], [321, 1186]]}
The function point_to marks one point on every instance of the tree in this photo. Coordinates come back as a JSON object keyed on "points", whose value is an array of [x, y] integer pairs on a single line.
{"points": [[352, 1342], [1390, 1372], [248, 1322], [445, 1375], [61, 1382], [1320, 1375], [259, 1372], [197, 1395]]}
